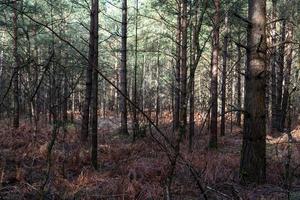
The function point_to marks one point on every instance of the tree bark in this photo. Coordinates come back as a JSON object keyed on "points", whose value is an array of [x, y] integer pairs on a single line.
{"points": [[273, 66], [135, 117], [94, 62], [280, 76], [183, 78], [177, 70], [253, 155], [224, 77], [214, 78], [16, 100], [289, 60], [239, 86], [89, 81], [157, 111], [123, 70]]}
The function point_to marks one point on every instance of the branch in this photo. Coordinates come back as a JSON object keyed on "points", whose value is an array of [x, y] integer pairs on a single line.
{"points": [[242, 18], [240, 45]]}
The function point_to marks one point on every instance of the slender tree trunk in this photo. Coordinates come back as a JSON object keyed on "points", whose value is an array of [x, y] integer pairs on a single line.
{"points": [[214, 78], [183, 78], [280, 76], [273, 66], [89, 81], [177, 70], [289, 60], [1, 79], [253, 155], [192, 86], [135, 117], [157, 88], [94, 62], [16, 100], [123, 70], [239, 86], [224, 77]]}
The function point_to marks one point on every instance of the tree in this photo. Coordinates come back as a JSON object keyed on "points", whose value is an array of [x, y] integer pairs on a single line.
{"points": [[94, 64], [177, 70], [238, 84], [183, 78], [16, 103], [135, 114], [224, 76], [287, 77], [273, 57], [253, 155], [88, 87], [214, 77], [280, 76], [123, 70]]}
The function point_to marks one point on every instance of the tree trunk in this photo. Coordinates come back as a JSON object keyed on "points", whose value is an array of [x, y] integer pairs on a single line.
{"points": [[273, 66], [135, 117], [214, 78], [253, 155], [289, 60], [94, 62], [280, 76], [15, 81], [123, 70], [89, 81], [192, 86], [239, 86], [177, 70], [183, 78], [224, 77], [157, 88]]}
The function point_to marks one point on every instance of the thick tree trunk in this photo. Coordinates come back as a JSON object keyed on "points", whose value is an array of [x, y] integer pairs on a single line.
{"points": [[123, 70], [15, 80], [253, 155], [214, 78]]}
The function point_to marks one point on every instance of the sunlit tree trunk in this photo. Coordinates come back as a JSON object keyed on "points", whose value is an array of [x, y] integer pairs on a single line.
{"points": [[253, 155]]}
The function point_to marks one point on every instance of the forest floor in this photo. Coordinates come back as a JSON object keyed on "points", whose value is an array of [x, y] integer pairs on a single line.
{"points": [[135, 170]]}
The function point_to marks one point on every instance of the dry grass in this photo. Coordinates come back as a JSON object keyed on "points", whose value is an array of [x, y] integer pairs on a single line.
{"points": [[131, 170]]}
